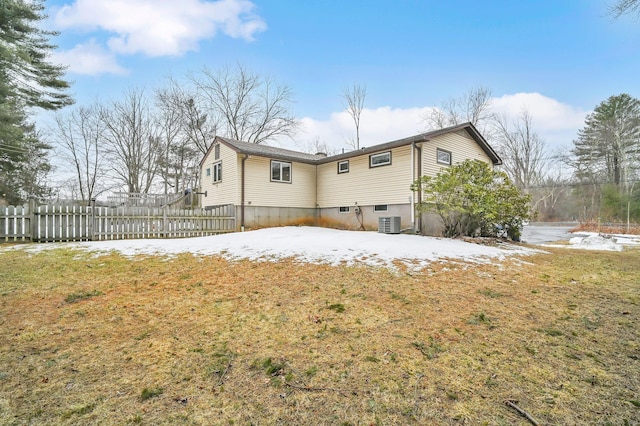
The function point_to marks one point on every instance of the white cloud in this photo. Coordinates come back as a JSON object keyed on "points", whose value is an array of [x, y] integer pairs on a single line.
{"points": [[161, 27], [89, 59], [377, 126], [557, 123]]}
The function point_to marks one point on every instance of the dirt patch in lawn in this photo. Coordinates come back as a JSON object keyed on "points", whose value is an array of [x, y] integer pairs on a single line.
{"points": [[201, 340]]}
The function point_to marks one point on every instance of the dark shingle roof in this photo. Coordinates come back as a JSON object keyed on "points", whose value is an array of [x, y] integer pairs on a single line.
{"points": [[270, 151], [287, 154], [423, 137]]}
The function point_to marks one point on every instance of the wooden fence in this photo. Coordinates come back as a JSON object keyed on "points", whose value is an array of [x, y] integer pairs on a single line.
{"points": [[88, 223]]}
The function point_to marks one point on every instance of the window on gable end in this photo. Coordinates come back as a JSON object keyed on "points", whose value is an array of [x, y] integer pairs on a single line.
{"points": [[443, 156], [217, 172]]}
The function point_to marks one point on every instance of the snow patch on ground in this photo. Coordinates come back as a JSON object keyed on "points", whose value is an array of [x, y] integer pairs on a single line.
{"points": [[308, 245], [596, 241]]}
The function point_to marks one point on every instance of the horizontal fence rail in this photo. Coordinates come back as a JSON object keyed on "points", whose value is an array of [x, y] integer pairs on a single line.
{"points": [[54, 223], [129, 199]]}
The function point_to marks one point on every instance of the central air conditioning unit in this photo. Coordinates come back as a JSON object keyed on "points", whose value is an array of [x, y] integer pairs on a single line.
{"points": [[389, 225]]}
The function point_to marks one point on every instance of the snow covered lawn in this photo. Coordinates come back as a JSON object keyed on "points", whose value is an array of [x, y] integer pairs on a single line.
{"points": [[310, 244]]}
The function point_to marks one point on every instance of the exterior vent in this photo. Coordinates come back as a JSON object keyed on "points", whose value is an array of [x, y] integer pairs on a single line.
{"points": [[389, 225]]}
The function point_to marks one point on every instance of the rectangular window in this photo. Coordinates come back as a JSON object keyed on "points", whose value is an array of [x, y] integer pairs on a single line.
{"points": [[443, 157], [382, 159], [346, 209], [208, 172], [217, 172], [380, 208], [343, 166], [216, 150], [280, 171]]}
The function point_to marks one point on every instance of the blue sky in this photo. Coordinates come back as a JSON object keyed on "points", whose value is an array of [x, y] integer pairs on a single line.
{"points": [[559, 59]]}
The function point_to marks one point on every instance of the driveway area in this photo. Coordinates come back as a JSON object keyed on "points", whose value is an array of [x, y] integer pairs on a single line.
{"points": [[542, 234]]}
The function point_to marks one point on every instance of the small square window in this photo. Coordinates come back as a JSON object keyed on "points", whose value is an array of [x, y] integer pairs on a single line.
{"points": [[380, 208], [382, 159], [280, 171], [343, 166], [444, 157], [344, 209], [217, 172]]}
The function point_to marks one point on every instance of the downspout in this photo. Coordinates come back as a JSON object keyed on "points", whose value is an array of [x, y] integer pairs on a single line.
{"points": [[242, 193], [419, 167], [413, 174], [317, 209]]}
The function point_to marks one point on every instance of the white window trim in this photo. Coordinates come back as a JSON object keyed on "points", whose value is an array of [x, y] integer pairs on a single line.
{"points": [[340, 171], [281, 168], [380, 154], [443, 151], [378, 208], [217, 172]]}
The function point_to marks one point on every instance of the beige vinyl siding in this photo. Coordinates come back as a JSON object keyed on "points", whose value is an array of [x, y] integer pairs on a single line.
{"points": [[227, 191], [364, 185], [459, 144], [261, 191]]}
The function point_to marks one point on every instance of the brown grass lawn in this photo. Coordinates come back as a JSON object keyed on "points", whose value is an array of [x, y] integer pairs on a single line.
{"points": [[200, 340]]}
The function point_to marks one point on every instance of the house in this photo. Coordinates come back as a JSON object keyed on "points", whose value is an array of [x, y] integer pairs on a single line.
{"points": [[272, 186]]}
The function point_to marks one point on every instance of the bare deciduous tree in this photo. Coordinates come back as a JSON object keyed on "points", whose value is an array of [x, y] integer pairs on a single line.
{"points": [[173, 126], [133, 146], [317, 146], [624, 7], [250, 107], [550, 200], [354, 96], [197, 126], [521, 149], [79, 136], [472, 107]]}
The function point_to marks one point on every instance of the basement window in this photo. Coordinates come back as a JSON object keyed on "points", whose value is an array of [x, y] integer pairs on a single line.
{"points": [[344, 209], [380, 208]]}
